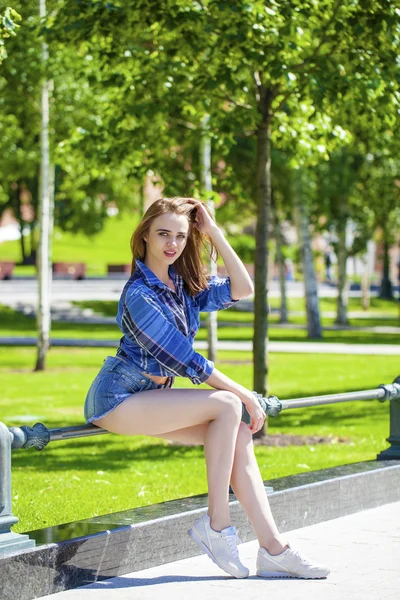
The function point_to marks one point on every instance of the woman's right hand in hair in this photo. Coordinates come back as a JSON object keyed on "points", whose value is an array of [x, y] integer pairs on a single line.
{"points": [[203, 222]]}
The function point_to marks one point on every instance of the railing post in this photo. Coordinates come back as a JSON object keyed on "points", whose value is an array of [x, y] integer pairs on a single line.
{"points": [[9, 541], [393, 452]]}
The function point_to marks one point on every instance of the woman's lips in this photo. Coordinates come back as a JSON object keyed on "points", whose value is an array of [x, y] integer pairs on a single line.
{"points": [[170, 255]]}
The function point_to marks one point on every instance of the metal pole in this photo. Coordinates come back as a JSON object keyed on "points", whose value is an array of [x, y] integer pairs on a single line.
{"points": [[377, 394], [39, 436], [9, 541], [273, 406]]}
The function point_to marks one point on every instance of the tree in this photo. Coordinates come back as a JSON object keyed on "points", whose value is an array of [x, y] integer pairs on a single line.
{"points": [[257, 66], [82, 192], [206, 180], [379, 182], [337, 179], [46, 217]]}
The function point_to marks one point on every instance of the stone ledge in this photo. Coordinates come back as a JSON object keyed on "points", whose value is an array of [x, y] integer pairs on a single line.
{"points": [[110, 545]]}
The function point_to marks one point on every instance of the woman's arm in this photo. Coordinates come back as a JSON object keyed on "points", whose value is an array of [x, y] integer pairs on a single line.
{"points": [[241, 283], [220, 381]]}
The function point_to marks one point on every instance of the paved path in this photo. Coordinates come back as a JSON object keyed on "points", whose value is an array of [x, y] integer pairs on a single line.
{"points": [[24, 290], [362, 550], [281, 347]]}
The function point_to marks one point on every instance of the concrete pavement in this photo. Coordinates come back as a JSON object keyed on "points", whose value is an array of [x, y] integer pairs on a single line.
{"points": [[362, 550], [24, 291], [281, 347]]}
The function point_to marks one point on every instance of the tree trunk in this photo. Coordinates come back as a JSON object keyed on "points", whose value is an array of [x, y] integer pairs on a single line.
{"points": [[141, 197], [16, 203], [206, 186], [365, 284], [281, 265], [386, 290], [314, 329], [32, 255], [22, 241], [46, 201], [343, 291], [33, 185], [263, 182]]}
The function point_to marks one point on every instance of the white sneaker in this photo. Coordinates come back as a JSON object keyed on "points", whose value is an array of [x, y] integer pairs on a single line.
{"points": [[290, 563], [219, 545]]}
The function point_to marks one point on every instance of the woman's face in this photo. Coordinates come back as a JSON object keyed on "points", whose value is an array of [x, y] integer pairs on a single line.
{"points": [[167, 237]]}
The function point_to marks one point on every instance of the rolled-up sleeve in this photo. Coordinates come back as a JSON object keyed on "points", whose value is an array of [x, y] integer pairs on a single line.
{"points": [[217, 296], [144, 321]]}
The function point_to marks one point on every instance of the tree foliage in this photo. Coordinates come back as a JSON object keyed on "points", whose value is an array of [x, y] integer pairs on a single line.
{"points": [[9, 24]]}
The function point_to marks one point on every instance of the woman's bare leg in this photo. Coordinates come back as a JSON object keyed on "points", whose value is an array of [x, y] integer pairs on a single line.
{"points": [[246, 482], [248, 486], [158, 411]]}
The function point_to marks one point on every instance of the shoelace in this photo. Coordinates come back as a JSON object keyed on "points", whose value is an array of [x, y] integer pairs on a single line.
{"points": [[232, 539], [302, 558]]}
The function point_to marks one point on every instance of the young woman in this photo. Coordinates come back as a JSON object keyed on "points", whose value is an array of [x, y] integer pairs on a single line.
{"points": [[158, 315]]}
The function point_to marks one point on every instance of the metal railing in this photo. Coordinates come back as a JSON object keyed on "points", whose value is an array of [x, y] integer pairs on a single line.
{"points": [[39, 436]]}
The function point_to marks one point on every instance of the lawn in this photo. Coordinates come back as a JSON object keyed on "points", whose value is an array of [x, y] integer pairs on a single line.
{"points": [[379, 309], [77, 479], [15, 324]]}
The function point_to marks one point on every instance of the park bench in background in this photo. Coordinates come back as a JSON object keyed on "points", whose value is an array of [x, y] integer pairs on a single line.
{"points": [[73, 270], [119, 543], [113, 270], [6, 269]]}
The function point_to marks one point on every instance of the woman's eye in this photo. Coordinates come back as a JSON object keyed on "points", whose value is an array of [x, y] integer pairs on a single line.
{"points": [[165, 233]]}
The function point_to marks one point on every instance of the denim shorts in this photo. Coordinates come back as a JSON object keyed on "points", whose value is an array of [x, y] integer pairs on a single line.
{"points": [[116, 381]]}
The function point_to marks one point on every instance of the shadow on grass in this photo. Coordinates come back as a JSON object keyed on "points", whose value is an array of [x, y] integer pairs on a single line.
{"points": [[106, 455], [323, 416]]}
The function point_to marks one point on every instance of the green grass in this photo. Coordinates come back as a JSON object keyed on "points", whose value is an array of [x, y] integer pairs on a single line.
{"points": [[377, 307], [78, 479], [16, 324]]}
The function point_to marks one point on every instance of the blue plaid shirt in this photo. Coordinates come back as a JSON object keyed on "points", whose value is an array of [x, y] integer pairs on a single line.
{"points": [[159, 325]]}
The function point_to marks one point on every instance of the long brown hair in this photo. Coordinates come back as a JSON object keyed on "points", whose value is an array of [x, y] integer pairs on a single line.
{"points": [[190, 263]]}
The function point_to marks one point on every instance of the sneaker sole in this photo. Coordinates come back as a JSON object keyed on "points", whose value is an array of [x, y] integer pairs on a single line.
{"points": [[205, 549], [281, 575]]}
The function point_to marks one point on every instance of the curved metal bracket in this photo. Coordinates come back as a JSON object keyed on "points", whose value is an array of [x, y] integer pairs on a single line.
{"points": [[37, 436], [274, 406], [271, 405], [392, 390]]}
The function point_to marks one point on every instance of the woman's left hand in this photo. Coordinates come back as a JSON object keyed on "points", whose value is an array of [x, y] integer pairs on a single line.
{"points": [[203, 222]]}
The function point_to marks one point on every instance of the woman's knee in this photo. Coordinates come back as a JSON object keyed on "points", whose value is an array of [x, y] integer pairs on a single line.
{"points": [[230, 403]]}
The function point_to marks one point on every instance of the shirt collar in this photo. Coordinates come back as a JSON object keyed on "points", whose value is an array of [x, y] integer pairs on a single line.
{"points": [[150, 278]]}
